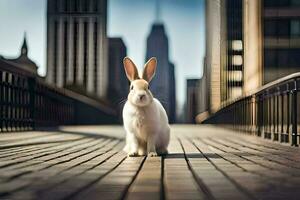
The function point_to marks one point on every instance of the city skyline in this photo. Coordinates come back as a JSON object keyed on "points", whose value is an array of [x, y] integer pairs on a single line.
{"points": [[186, 54]]}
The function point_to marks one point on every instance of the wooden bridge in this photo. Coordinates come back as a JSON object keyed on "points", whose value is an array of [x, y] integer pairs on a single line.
{"points": [[204, 162]]}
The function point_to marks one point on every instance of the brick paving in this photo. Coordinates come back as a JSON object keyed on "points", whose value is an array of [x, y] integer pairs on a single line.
{"points": [[204, 162]]}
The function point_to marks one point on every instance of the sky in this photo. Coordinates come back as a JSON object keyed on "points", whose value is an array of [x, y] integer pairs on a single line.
{"points": [[184, 22]]}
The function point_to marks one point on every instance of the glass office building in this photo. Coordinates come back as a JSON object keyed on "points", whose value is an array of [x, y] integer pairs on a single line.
{"points": [[281, 43], [233, 64]]}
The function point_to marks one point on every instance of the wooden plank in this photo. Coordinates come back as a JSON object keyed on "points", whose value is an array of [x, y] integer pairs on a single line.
{"points": [[55, 159], [65, 147], [178, 179], [211, 177], [62, 177], [115, 185], [264, 158], [148, 182], [282, 153], [260, 179], [46, 139]]}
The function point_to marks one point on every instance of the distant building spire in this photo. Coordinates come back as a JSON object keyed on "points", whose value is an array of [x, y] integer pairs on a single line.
{"points": [[157, 12], [24, 49]]}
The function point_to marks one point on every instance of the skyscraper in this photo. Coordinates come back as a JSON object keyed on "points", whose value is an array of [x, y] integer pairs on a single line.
{"points": [[233, 49], [118, 83], [162, 84], [77, 45], [232, 73], [172, 97], [192, 90], [281, 44], [249, 43], [214, 44], [202, 93]]}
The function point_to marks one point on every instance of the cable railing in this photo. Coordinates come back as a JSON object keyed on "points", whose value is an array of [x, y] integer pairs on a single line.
{"points": [[271, 112], [27, 103]]}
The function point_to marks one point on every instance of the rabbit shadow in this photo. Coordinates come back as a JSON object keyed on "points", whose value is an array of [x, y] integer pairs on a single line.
{"points": [[190, 155]]}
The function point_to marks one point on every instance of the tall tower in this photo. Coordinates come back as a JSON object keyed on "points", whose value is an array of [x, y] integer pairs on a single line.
{"points": [[24, 49], [214, 47], [77, 45], [157, 12], [281, 38], [172, 93], [118, 83], [163, 84], [157, 46]]}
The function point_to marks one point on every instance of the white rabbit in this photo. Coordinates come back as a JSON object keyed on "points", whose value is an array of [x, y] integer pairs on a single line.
{"points": [[145, 120]]}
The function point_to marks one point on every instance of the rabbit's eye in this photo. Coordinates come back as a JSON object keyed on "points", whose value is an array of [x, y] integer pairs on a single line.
{"points": [[131, 87], [148, 87]]}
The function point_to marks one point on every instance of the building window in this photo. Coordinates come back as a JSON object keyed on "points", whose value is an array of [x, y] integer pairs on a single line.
{"points": [[283, 28], [65, 4], [85, 53], [56, 6], [277, 27], [295, 2], [270, 58], [95, 6], [233, 71], [75, 51], [235, 76], [95, 56], [65, 52], [85, 6], [237, 45], [294, 59], [276, 3], [295, 28], [270, 28], [283, 58], [237, 60], [76, 5], [55, 51]]}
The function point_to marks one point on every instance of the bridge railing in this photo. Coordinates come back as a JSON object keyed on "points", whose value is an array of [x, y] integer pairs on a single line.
{"points": [[27, 102], [271, 111]]}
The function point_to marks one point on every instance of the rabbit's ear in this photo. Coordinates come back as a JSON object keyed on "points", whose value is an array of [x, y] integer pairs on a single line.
{"points": [[149, 69], [130, 69]]}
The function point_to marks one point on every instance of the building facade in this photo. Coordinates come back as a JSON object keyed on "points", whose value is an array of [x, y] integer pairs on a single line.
{"points": [[281, 44], [202, 90], [192, 102], [233, 50], [22, 63], [249, 43], [172, 97], [215, 42], [77, 45], [118, 84], [162, 85], [232, 69]]}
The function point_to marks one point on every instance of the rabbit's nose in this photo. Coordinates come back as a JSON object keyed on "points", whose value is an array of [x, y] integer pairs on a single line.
{"points": [[142, 96]]}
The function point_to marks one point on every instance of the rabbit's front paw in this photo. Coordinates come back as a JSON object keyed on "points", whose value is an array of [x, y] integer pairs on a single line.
{"points": [[162, 152], [141, 152], [132, 154], [152, 154]]}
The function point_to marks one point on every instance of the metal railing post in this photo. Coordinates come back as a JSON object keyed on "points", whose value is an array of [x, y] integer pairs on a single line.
{"points": [[31, 87], [294, 115], [1, 102]]}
